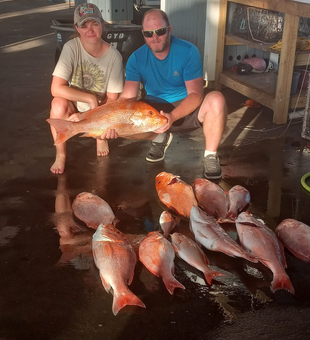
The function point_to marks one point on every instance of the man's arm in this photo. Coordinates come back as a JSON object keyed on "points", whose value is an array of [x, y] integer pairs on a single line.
{"points": [[131, 89], [189, 104]]}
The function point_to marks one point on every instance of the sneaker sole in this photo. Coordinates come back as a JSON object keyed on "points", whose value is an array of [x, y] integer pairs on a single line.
{"points": [[166, 147], [213, 177]]}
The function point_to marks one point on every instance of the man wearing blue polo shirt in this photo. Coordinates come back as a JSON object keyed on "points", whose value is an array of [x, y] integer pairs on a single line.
{"points": [[170, 70]]}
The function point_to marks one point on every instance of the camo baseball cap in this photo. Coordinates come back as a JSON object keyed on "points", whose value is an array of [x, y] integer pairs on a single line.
{"points": [[85, 12]]}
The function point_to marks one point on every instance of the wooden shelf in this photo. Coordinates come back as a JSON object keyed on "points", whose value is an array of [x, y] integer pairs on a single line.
{"points": [[231, 40], [262, 87]]}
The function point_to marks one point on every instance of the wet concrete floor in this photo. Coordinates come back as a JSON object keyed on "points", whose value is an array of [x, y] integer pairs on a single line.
{"points": [[50, 287]]}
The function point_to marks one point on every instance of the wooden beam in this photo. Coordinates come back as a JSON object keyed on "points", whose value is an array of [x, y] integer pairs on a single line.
{"points": [[286, 67], [220, 43], [286, 6]]}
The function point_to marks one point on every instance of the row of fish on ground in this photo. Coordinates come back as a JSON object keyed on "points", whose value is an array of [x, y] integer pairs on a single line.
{"points": [[206, 205]]}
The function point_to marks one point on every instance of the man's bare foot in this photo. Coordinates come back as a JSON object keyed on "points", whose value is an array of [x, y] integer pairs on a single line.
{"points": [[102, 147], [59, 165]]}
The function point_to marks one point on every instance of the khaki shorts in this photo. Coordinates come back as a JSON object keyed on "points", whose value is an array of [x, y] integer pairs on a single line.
{"points": [[186, 124]]}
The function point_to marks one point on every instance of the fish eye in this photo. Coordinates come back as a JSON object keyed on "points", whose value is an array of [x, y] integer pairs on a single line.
{"points": [[151, 113]]}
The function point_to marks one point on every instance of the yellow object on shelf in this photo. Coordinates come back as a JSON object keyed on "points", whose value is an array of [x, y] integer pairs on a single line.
{"points": [[302, 44]]}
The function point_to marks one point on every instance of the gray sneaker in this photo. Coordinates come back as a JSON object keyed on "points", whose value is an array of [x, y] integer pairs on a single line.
{"points": [[212, 168], [157, 150]]}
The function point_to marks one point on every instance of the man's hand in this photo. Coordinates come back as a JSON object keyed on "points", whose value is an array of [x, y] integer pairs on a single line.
{"points": [[167, 125], [110, 134]]}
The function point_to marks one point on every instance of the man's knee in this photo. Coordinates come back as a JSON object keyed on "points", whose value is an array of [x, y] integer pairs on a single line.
{"points": [[216, 100], [214, 104]]}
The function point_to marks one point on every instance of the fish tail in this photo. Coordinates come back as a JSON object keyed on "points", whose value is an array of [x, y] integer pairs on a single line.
{"points": [[282, 281], [125, 298], [64, 129], [210, 274], [171, 283]]}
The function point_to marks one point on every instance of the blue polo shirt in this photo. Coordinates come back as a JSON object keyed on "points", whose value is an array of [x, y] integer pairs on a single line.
{"points": [[166, 78]]}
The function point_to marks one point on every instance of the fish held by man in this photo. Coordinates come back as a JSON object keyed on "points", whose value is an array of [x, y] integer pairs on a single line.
{"points": [[157, 255], [262, 242], [175, 193], [295, 236], [92, 210], [116, 260], [126, 116], [213, 237], [190, 252]]}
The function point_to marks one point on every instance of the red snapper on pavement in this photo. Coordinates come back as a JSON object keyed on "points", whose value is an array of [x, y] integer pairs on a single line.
{"points": [[157, 254], [116, 260], [126, 116], [295, 236], [211, 198], [262, 242], [190, 252], [92, 210], [175, 193], [238, 198], [213, 237], [167, 223]]}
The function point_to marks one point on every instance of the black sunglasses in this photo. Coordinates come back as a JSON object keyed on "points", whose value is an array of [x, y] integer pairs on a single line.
{"points": [[159, 32]]}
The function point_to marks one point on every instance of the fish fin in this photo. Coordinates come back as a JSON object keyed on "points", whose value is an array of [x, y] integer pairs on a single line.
{"points": [[201, 234], [174, 247], [92, 225], [210, 274], [236, 250], [105, 284], [93, 134], [115, 221], [64, 129], [171, 283], [282, 281], [126, 297], [232, 215]]}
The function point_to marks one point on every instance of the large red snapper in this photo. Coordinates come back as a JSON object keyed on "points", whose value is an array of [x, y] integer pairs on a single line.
{"points": [[190, 252], [238, 198], [213, 237], [157, 254], [126, 116], [295, 236], [175, 193], [92, 210], [116, 260], [211, 198], [262, 242]]}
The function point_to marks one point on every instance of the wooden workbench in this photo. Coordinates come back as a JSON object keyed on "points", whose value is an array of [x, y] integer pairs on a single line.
{"points": [[262, 87]]}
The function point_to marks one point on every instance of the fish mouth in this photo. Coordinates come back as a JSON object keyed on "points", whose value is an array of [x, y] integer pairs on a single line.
{"points": [[174, 180]]}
